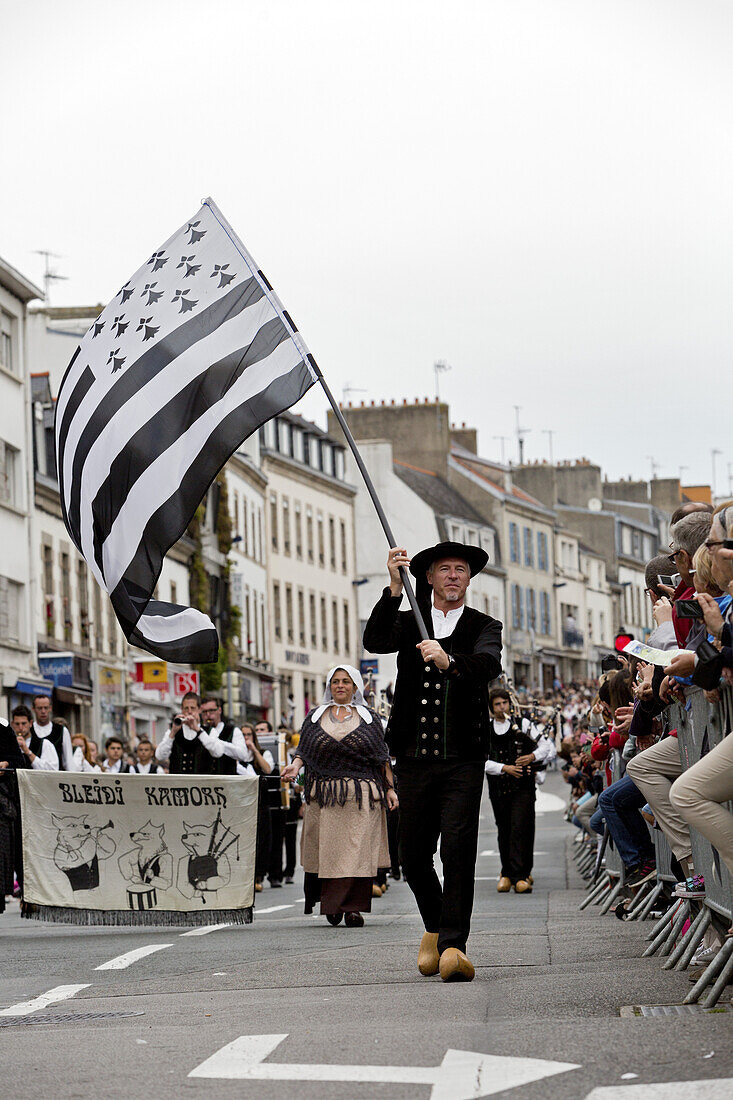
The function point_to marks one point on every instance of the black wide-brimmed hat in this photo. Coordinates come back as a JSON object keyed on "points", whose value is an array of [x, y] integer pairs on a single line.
{"points": [[474, 556]]}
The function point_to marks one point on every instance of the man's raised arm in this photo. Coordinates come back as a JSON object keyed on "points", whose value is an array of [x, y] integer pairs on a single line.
{"points": [[383, 631]]}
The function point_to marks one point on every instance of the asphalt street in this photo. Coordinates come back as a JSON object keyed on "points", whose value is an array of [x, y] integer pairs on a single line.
{"points": [[347, 1012]]}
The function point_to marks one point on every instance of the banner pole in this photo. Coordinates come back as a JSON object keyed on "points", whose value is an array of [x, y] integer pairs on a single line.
{"points": [[406, 582]]}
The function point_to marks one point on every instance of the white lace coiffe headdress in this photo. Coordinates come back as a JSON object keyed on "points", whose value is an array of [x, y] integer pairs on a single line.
{"points": [[357, 699]]}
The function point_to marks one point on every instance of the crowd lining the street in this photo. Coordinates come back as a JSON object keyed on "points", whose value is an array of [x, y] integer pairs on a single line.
{"points": [[629, 715]]}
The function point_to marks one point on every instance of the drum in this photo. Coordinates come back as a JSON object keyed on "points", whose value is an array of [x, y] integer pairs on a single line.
{"points": [[140, 896]]}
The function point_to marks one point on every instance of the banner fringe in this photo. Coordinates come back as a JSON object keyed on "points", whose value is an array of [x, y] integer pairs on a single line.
{"points": [[58, 914]]}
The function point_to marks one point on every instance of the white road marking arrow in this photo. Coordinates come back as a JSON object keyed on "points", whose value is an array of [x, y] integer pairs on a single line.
{"points": [[719, 1089], [462, 1075]]}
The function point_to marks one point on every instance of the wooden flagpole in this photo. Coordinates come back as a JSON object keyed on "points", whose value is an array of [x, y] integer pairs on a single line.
{"points": [[407, 583]]}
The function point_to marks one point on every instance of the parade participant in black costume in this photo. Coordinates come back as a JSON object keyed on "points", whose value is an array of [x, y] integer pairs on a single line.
{"points": [[230, 749], [115, 763], [268, 741], [260, 764], [438, 732], [145, 754], [186, 745], [12, 758], [56, 733], [514, 757], [39, 752]]}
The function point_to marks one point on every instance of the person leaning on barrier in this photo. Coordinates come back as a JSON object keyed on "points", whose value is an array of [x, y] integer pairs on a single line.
{"points": [[699, 793], [713, 658]]}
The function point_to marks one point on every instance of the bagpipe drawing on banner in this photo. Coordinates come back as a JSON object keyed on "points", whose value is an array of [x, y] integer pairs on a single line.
{"points": [[138, 849]]}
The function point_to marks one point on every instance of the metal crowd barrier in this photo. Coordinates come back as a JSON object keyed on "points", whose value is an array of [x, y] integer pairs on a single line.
{"points": [[700, 727]]}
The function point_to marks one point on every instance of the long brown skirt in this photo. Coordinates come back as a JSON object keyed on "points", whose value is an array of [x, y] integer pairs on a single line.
{"points": [[346, 895]]}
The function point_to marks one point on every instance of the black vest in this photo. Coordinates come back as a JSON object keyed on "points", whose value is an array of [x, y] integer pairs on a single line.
{"points": [[437, 715], [504, 749], [56, 737], [189, 758], [226, 765], [125, 769]]}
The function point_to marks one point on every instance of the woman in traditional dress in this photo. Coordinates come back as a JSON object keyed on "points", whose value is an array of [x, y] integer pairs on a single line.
{"points": [[348, 787]]}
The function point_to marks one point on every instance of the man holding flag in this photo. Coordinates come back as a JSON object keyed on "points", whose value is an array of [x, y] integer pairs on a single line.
{"points": [[439, 732]]}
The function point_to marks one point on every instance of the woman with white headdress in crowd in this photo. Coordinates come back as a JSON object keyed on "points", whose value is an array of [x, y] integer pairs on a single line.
{"points": [[348, 786]]}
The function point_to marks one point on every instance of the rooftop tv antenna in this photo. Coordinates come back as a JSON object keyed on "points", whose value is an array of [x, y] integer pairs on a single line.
{"points": [[49, 275], [521, 433], [347, 391], [440, 367]]}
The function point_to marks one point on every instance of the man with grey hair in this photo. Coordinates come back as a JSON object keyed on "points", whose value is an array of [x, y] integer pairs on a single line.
{"points": [[687, 535], [655, 769]]}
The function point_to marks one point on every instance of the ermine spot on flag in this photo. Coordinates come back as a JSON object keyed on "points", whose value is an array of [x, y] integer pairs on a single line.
{"points": [[190, 357]]}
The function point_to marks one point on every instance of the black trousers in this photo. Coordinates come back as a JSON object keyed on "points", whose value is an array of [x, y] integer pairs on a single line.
{"points": [[440, 800], [393, 831], [277, 834], [514, 816], [292, 818]]}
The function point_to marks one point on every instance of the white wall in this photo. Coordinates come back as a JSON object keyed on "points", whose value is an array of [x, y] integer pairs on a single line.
{"points": [[17, 625]]}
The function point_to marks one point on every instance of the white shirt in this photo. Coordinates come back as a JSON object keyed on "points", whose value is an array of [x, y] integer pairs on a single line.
{"points": [[165, 747], [150, 768], [445, 622], [47, 760], [67, 756], [81, 764], [247, 769], [116, 767], [236, 748], [544, 750]]}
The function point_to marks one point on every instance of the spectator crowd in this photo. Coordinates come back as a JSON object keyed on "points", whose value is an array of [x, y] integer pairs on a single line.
{"points": [[628, 719]]}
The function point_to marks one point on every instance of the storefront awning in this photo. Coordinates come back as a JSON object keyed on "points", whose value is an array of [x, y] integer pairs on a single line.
{"points": [[77, 698], [33, 687]]}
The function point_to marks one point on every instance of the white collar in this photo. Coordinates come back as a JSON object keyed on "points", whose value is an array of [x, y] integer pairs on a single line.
{"points": [[446, 616], [43, 731]]}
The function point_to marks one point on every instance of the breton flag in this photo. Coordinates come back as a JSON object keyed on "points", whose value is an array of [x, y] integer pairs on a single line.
{"points": [[192, 355]]}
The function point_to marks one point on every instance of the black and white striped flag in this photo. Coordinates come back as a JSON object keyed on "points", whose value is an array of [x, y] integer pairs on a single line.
{"points": [[192, 355]]}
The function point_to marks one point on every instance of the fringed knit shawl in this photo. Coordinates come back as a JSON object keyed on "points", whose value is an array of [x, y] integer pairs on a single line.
{"points": [[330, 764]]}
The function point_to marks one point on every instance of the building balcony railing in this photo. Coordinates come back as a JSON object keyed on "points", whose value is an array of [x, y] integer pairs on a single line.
{"points": [[572, 639]]}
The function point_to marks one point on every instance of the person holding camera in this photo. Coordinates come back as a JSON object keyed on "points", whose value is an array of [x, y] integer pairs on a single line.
{"points": [[515, 754], [186, 745]]}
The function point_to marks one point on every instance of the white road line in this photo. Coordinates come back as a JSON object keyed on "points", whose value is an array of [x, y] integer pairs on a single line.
{"points": [[717, 1089], [205, 929], [121, 962], [272, 909], [58, 993]]}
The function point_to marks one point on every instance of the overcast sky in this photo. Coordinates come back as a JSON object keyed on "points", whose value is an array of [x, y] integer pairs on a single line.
{"points": [[539, 192]]}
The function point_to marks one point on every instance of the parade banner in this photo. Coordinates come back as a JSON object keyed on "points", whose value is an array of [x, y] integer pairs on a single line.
{"points": [[138, 849]]}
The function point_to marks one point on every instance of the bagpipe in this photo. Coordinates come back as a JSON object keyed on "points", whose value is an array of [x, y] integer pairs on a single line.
{"points": [[203, 867]]}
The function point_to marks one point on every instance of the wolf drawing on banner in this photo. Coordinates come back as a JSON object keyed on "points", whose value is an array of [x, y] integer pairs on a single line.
{"points": [[79, 848], [206, 869], [147, 867]]}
